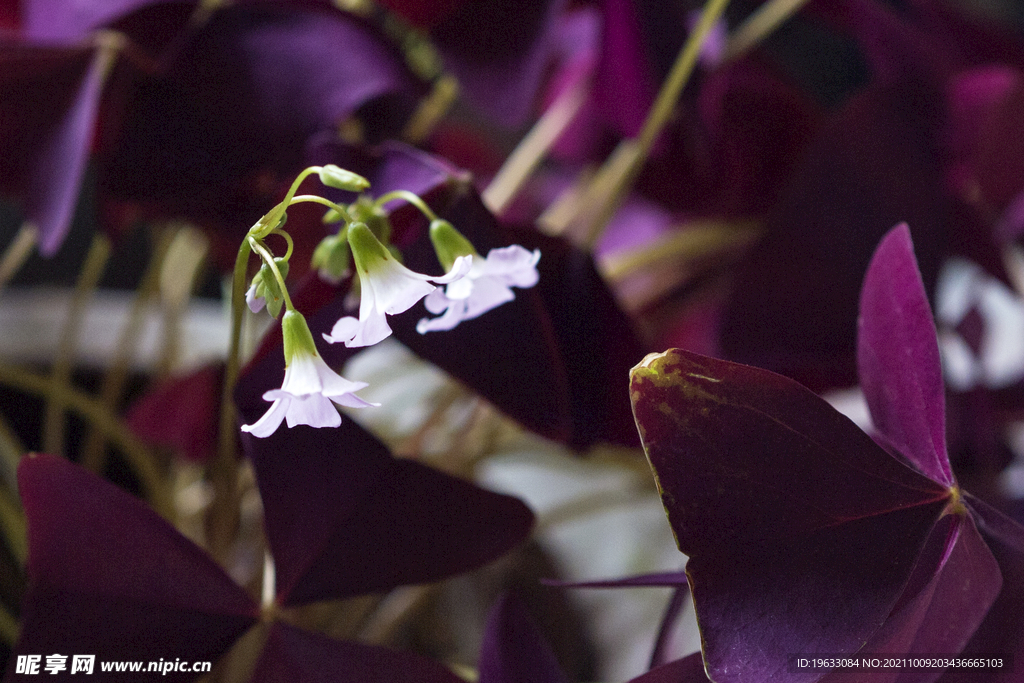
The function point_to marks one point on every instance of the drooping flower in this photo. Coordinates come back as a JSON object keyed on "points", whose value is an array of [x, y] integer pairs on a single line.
{"points": [[387, 286], [803, 534], [487, 285], [310, 386]]}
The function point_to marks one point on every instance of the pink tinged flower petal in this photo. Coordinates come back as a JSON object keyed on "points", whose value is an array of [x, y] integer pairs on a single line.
{"points": [[255, 303], [108, 576], [487, 286], [515, 264], [313, 410], [390, 288], [272, 419], [306, 397], [898, 358]]}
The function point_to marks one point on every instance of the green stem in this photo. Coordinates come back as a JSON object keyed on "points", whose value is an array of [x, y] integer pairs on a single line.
{"points": [[17, 252], [326, 202], [617, 176], [136, 453], [88, 279], [268, 259], [759, 25], [93, 455], [288, 240], [409, 197], [270, 221], [222, 471]]}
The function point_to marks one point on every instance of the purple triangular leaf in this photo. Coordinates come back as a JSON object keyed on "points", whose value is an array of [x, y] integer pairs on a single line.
{"points": [[999, 526], [954, 583], [499, 52], [248, 90], [365, 522], [898, 358], [689, 669], [295, 656], [794, 304], [668, 622], [663, 579], [514, 650], [50, 99], [801, 531], [67, 22], [108, 577]]}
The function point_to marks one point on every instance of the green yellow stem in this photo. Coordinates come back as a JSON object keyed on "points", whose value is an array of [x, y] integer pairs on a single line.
{"points": [[93, 453], [268, 259], [17, 252], [88, 279], [759, 26], [326, 202], [222, 470], [410, 197], [136, 453], [616, 177]]}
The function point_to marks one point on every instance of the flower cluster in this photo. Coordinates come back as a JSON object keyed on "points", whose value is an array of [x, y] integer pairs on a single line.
{"points": [[473, 286]]}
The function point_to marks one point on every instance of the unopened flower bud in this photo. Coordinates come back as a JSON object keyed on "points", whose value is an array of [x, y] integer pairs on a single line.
{"points": [[334, 176], [449, 243]]}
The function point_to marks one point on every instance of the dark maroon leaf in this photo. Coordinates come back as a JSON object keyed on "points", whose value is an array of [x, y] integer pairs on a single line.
{"points": [[898, 358], [295, 656], [514, 650], [344, 518], [214, 136], [689, 669], [499, 52], [875, 163], [49, 99], [108, 577], [801, 531], [181, 413], [68, 22]]}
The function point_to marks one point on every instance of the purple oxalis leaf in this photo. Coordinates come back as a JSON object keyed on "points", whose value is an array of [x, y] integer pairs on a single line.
{"points": [[108, 577], [49, 99], [68, 22], [366, 522], [801, 531], [689, 669], [295, 656], [785, 506], [898, 358], [514, 650]]}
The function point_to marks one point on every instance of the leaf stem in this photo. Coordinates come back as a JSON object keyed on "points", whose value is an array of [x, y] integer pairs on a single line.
{"points": [[17, 252], [88, 279], [616, 177], [135, 451]]}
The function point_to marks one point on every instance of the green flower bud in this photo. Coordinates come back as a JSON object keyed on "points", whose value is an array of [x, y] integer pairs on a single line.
{"points": [[449, 243], [266, 287], [333, 257], [334, 176]]}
